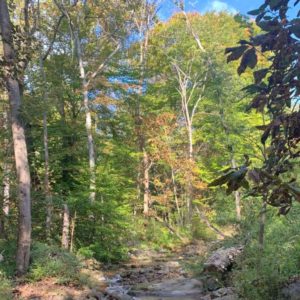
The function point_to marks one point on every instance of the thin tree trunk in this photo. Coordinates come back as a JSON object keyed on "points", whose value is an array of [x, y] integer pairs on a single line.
{"points": [[146, 182], [237, 197], [65, 239], [6, 181], [175, 196], [190, 183], [47, 188], [262, 223], [73, 223], [19, 144], [88, 122], [143, 22], [6, 199], [190, 139]]}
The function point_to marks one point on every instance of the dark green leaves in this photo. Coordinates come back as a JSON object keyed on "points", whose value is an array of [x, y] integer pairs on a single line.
{"points": [[269, 25], [234, 178], [248, 54], [260, 75], [236, 52], [274, 4], [258, 11], [254, 12], [295, 29], [249, 59]]}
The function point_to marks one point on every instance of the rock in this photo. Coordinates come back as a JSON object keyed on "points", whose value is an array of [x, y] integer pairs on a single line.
{"points": [[95, 278], [212, 284], [222, 259], [91, 264], [172, 264], [171, 288], [227, 297], [95, 295], [206, 297], [223, 292], [291, 291], [118, 294]]}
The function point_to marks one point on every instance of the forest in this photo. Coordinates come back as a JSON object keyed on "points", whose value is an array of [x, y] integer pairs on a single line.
{"points": [[149, 150]]}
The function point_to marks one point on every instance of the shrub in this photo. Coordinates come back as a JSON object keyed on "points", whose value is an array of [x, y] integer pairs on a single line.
{"points": [[261, 274], [5, 288], [51, 261]]}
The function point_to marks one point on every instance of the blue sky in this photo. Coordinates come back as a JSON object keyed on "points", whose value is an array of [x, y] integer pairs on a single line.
{"points": [[234, 6]]}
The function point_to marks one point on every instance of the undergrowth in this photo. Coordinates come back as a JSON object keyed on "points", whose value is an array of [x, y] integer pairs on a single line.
{"points": [[52, 261], [261, 274]]}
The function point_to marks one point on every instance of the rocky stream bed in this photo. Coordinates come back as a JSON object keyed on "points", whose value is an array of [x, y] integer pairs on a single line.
{"points": [[159, 275]]}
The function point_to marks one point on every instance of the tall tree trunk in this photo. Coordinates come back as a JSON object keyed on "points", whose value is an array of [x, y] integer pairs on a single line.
{"points": [[65, 238], [47, 188], [143, 22], [88, 122], [190, 179], [19, 143]]}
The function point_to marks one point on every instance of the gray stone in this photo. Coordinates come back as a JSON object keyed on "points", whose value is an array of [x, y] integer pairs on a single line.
{"points": [[292, 291]]}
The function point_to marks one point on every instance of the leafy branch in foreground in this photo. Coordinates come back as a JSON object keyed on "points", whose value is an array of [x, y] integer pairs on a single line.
{"points": [[275, 91]]}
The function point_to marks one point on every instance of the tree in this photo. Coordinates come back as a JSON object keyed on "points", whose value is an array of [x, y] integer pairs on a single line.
{"points": [[195, 83], [12, 82]]}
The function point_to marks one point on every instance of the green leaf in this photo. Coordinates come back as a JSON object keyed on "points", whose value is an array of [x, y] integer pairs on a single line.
{"points": [[260, 75], [275, 3], [249, 60], [254, 12], [221, 180], [236, 53], [269, 25], [295, 29]]}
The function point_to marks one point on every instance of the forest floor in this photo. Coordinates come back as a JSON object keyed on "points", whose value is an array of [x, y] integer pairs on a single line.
{"points": [[148, 275]]}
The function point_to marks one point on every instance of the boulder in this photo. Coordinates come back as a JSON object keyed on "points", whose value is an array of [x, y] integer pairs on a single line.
{"points": [[291, 291], [221, 260]]}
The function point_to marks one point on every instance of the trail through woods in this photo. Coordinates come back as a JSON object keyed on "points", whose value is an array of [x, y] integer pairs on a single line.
{"points": [[148, 275]]}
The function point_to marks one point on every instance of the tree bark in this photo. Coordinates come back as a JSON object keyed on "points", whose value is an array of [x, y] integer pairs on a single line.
{"points": [[73, 223], [6, 181], [65, 239], [19, 143], [88, 122], [6, 199]]}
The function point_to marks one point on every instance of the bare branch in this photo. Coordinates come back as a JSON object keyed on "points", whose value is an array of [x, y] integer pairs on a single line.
{"points": [[104, 63], [54, 37]]}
